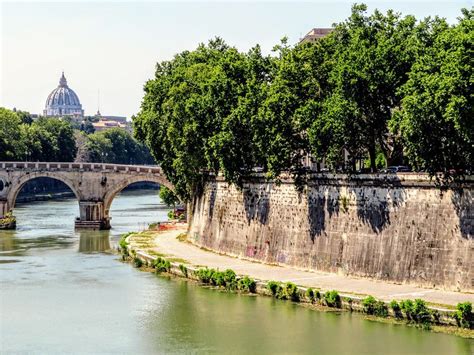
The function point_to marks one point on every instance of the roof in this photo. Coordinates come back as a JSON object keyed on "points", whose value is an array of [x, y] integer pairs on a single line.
{"points": [[315, 33]]}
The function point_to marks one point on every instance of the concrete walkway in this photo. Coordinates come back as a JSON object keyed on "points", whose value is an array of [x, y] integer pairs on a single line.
{"points": [[166, 243]]}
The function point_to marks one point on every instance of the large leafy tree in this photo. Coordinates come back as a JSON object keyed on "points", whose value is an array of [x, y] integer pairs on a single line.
{"points": [[116, 146], [371, 58], [193, 117], [12, 142], [436, 120], [58, 143]]}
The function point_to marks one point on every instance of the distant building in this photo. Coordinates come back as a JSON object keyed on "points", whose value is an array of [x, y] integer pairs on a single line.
{"points": [[107, 122], [315, 34], [63, 101]]}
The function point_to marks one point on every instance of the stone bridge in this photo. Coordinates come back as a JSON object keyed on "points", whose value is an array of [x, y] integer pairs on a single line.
{"points": [[95, 185]]}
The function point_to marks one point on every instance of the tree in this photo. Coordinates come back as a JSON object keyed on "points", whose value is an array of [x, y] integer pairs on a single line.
{"points": [[168, 196], [436, 117], [58, 142], [185, 108], [370, 61], [12, 142], [116, 146]]}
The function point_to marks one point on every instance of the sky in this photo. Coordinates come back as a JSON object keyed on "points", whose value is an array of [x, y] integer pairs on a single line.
{"points": [[109, 49]]}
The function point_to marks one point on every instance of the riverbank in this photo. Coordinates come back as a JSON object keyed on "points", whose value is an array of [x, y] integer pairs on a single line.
{"points": [[170, 244]]}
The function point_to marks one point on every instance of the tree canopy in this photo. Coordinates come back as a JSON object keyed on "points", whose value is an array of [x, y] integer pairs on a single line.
{"points": [[380, 88]]}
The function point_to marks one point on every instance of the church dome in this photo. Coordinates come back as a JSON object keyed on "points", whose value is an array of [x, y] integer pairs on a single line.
{"points": [[63, 101]]}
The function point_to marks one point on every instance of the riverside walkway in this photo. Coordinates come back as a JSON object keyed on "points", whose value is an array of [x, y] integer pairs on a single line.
{"points": [[166, 243]]}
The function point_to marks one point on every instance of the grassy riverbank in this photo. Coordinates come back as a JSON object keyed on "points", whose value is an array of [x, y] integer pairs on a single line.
{"points": [[140, 249]]}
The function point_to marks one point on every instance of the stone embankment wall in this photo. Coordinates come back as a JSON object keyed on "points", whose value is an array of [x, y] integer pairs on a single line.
{"points": [[399, 228]]}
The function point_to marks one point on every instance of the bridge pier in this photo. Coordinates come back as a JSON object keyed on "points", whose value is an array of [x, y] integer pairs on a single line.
{"points": [[7, 220], [92, 216]]}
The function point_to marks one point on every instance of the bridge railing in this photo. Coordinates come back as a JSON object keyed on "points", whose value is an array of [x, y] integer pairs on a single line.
{"points": [[67, 166]]}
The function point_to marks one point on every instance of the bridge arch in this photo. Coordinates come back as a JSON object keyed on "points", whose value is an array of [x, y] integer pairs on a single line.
{"points": [[117, 188], [16, 188]]}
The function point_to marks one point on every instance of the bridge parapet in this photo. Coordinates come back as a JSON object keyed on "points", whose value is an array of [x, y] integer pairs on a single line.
{"points": [[80, 167]]}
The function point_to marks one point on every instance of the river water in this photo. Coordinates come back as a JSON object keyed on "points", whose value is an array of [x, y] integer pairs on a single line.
{"points": [[62, 292]]}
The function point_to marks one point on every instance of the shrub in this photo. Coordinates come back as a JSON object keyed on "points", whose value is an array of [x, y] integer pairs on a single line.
{"points": [[318, 295], [137, 262], [332, 299], [396, 309], [464, 316], [274, 287], [247, 284], [123, 244], [381, 309], [162, 265], [290, 292], [230, 279], [205, 275], [421, 312], [217, 278], [369, 304], [309, 295], [407, 307], [372, 306], [184, 270], [417, 312]]}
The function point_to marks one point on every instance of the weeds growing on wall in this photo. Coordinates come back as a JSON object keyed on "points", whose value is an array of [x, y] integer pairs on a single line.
{"points": [[375, 307], [124, 245], [417, 312], [137, 262], [184, 270], [397, 311], [161, 265], [309, 294], [332, 299], [464, 316], [247, 284], [287, 291]]}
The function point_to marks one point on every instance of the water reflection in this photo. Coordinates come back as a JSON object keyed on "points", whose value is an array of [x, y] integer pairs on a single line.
{"points": [[94, 241]]}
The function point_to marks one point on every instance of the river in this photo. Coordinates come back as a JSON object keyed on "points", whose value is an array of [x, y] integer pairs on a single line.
{"points": [[62, 292]]}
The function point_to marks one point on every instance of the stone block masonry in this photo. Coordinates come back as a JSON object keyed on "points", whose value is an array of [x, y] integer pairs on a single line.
{"points": [[399, 228]]}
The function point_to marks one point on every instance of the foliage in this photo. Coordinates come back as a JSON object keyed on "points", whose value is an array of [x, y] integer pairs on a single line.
{"points": [[287, 291], [196, 114], [168, 196], [183, 269], [417, 312], [205, 275], [435, 118], [309, 294], [8, 220], [161, 265], [45, 139], [464, 315], [374, 307], [137, 262], [218, 278], [247, 284], [381, 87], [396, 309], [117, 146], [274, 287], [332, 299], [123, 244]]}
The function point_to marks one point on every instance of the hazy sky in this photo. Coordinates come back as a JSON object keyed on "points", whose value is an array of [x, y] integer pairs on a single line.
{"points": [[112, 46]]}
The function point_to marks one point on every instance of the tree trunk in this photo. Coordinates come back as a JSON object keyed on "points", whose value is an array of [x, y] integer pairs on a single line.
{"points": [[372, 154]]}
